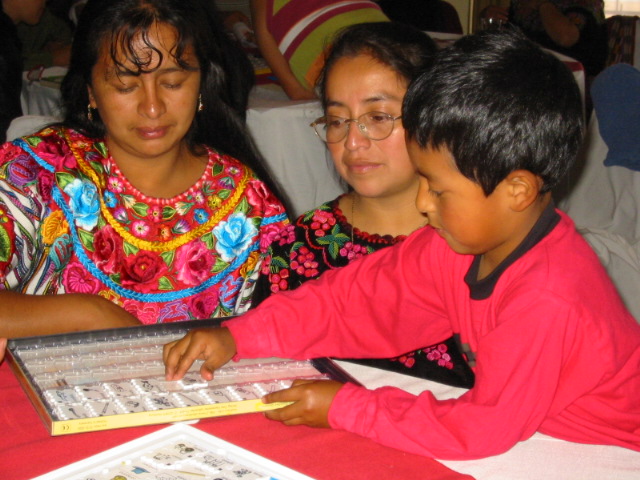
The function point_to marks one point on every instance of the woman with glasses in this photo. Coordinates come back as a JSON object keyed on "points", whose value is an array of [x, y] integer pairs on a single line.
{"points": [[363, 83]]}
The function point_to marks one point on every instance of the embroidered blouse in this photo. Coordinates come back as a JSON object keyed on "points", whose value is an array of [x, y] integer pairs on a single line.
{"points": [[71, 223], [323, 239]]}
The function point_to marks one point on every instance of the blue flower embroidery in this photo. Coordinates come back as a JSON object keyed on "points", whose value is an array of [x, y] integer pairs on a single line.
{"points": [[234, 235], [83, 201], [110, 199], [200, 215]]}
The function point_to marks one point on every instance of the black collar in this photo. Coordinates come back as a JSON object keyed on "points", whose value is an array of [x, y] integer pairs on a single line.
{"points": [[482, 289]]}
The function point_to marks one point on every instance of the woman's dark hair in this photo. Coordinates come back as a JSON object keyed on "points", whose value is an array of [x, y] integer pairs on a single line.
{"points": [[406, 50], [226, 72], [498, 103]]}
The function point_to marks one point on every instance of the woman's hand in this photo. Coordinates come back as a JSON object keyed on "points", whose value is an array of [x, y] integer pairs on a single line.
{"points": [[215, 346], [3, 348], [311, 402]]}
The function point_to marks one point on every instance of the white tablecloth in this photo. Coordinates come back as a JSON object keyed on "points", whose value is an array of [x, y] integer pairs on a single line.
{"points": [[539, 458], [37, 99]]}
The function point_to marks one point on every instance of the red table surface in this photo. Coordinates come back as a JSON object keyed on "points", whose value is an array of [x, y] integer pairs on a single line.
{"points": [[27, 450]]}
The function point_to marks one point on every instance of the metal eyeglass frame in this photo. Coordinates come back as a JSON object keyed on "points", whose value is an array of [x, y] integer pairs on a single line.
{"points": [[361, 126]]}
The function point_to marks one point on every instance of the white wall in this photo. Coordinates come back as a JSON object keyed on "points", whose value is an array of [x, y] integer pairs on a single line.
{"points": [[464, 8]]}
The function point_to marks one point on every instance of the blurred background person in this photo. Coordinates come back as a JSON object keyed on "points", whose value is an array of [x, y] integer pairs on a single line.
{"points": [[47, 42], [13, 13], [575, 28], [293, 34]]}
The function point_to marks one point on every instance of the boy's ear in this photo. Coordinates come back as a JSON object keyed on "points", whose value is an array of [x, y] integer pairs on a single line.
{"points": [[523, 188]]}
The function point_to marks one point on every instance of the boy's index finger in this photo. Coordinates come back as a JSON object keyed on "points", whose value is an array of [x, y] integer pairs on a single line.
{"points": [[178, 357]]}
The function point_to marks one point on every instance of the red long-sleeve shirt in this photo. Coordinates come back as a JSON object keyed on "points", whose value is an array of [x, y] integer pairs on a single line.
{"points": [[554, 348]]}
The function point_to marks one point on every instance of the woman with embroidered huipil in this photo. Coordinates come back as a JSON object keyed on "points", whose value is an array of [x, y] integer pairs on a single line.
{"points": [[149, 202]]}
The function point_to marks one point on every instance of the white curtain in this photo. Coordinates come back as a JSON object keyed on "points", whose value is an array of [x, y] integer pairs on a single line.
{"points": [[621, 7]]}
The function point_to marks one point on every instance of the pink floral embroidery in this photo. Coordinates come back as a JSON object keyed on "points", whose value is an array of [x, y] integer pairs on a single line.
{"points": [[438, 353], [140, 228], [45, 184], [203, 306], [303, 262], [322, 221], [287, 235], [199, 197], [116, 185], [77, 280], [263, 199], [270, 234], [155, 213], [194, 263], [57, 154], [280, 281], [352, 251]]}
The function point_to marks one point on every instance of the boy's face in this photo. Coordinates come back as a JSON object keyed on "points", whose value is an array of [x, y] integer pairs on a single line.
{"points": [[458, 209]]}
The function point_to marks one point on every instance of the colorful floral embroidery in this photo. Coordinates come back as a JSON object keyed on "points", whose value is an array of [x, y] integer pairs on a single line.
{"points": [[234, 236], [193, 256], [83, 202]]}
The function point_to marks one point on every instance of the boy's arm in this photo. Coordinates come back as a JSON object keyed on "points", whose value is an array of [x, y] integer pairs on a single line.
{"points": [[522, 381], [271, 53], [382, 305]]}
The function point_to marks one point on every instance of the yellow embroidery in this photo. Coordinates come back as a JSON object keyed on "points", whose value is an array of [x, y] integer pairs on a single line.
{"points": [[247, 269], [179, 241], [53, 227]]}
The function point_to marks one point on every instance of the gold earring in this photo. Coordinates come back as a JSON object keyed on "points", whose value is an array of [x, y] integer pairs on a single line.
{"points": [[200, 105], [89, 112]]}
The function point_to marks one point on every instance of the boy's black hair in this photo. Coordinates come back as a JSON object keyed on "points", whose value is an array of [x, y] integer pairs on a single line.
{"points": [[498, 103], [406, 50]]}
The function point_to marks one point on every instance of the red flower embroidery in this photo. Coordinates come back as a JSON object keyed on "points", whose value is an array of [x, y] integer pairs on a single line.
{"points": [[107, 250], [142, 271]]}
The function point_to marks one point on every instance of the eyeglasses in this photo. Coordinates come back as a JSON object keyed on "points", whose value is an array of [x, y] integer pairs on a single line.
{"points": [[373, 125]]}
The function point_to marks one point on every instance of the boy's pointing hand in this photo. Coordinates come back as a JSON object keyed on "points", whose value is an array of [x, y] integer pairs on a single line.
{"points": [[215, 346]]}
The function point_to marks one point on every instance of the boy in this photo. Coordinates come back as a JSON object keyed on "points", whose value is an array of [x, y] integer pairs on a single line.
{"points": [[491, 129]]}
